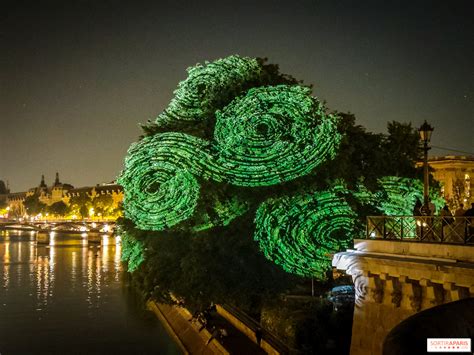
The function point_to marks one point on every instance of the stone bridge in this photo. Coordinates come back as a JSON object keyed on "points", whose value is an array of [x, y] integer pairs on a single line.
{"points": [[59, 225], [395, 279]]}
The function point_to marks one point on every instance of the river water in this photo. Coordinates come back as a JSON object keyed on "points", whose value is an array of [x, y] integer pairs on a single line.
{"points": [[71, 297]]}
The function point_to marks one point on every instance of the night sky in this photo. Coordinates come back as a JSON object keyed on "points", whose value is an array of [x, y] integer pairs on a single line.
{"points": [[77, 77]]}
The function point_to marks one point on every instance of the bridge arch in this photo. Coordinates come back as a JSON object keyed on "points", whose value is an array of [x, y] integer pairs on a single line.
{"points": [[450, 320], [397, 279]]}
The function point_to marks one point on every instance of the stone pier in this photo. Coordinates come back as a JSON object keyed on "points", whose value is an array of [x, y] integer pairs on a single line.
{"points": [[394, 280]]}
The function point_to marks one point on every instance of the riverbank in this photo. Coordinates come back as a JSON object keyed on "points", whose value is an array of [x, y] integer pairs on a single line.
{"points": [[194, 338], [186, 334]]}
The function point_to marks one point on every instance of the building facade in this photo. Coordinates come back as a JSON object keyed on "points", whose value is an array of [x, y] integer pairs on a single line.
{"points": [[50, 194], [455, 173], [106, 198], [100, 200]]}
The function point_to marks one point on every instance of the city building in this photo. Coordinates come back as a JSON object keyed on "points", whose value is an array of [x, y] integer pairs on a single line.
{"points": [[97, 193], [455, 173], [106, 197], [50, 194], [15, 206]]}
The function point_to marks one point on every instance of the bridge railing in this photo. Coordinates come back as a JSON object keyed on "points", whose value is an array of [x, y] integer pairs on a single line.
{"points": [[435, 229]]}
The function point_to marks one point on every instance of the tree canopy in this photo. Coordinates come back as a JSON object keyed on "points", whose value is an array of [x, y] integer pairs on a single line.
{"points": [[244, 159]]}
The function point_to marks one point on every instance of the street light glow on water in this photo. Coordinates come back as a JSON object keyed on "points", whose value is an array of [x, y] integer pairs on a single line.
{"points": [[69, 296]]}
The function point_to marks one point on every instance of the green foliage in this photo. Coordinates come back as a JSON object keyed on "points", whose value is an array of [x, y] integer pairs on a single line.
{"points": [[80, 205], [103, 204], [269, 136], [365, 156], [218, 206], [272, 135], [159, 191], [209, 88], [133, 250], [238, 140], [301, 233], [207, 267], [360, 156], [398, 195]]}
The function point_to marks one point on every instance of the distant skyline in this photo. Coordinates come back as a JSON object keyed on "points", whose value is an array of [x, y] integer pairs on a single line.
{"points": [[77, 77]]}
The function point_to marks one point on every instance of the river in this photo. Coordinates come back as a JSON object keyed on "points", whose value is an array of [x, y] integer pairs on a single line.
{"points": [[71, 297]]}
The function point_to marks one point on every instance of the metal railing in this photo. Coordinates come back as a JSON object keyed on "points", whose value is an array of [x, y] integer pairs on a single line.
{"points": [[434, 229]]}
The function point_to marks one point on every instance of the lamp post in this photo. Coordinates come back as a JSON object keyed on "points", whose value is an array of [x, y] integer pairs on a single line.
{"points": [[425, 135]]}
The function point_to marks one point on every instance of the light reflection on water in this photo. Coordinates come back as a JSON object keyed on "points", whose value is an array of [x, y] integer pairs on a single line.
{"points": [[64, 291]]}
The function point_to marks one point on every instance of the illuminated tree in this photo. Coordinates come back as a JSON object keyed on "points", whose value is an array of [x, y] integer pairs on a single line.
{"points": [[398, 195], [240, 140], [301, 233], [267, 137], [133, 250], [103, 204], [221, 265], [80, 205]]}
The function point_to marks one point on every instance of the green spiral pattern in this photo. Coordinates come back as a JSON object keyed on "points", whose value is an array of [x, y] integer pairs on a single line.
{"points": [[273, 134], [159, 189], [397, 195], [210, 87], [220, 212], [301, 233], [269, 136], [263, 136]]}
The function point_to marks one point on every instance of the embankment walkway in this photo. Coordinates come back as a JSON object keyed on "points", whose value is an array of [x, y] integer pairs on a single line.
{"points": [[192, 341]]}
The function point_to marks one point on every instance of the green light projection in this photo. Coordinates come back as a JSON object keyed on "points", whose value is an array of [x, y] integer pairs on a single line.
{"points": [[272, 135], [262, 136], [398, 195], [301, 233], [269, 136], [159, 191], [222, 213], [209, 87]]}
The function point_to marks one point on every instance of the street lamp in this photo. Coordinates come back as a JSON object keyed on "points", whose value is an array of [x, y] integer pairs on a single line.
{"points": [[425, 135]]}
